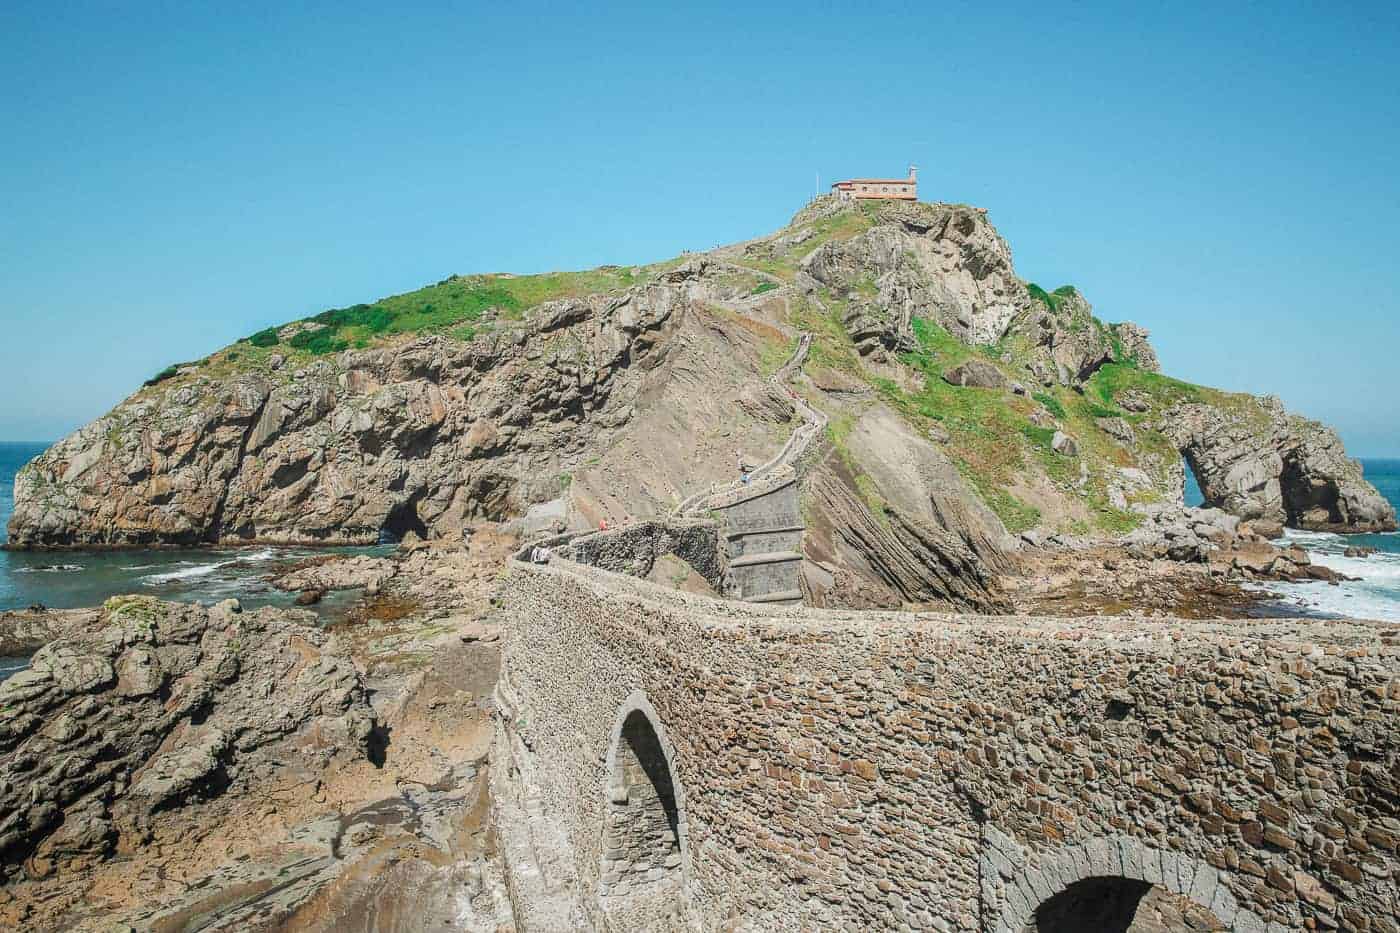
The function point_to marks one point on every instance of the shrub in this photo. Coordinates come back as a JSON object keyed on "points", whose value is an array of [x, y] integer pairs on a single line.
{"points": [[762, 287], [1051, 404], [264, 338], [372, 318], [1098, 411], [318, 342], [1042, 436], [163, 375], [1052, 300]]}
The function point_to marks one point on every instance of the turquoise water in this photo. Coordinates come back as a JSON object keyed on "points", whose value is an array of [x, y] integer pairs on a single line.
{"points": [[71, 579]]}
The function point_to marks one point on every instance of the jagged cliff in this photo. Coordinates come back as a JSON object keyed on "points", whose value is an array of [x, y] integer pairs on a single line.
{"points": [[965, 407]]}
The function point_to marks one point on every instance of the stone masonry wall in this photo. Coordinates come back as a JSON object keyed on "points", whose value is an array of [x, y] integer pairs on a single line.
{"points": [[868, 771], [642, 846]]}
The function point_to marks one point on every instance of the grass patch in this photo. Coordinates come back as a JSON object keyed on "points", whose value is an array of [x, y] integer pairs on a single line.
{"points": [[1053, 300], [1051, 404], [264, 338], [1016, 515], [455, 306], [763, 287]]}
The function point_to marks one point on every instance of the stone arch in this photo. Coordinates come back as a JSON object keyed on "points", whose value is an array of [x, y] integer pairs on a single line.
{"points": [[1115, 871], [645, 842]]}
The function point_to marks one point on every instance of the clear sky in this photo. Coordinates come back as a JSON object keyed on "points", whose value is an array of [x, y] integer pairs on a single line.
{"points": [[175, 176]]}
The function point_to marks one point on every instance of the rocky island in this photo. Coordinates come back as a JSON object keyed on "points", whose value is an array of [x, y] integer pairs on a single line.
{"points": [[835, 579]]}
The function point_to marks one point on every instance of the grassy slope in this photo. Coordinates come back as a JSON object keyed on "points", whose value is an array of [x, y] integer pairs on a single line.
{"points": [[991, 437], [459, 307]]}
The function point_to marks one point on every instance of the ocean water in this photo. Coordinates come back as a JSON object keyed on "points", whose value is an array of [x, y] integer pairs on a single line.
{"points": [[1376, 595], [72, 579]]}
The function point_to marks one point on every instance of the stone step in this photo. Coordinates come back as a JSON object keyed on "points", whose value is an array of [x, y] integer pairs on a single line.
{"points": [[783, 596], [769, 557], [764, 531]]}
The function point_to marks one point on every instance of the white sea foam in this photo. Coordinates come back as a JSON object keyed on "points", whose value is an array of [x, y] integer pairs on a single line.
{"points": [[52, 568], [1374, 595], [190, 570], [184, 573]]}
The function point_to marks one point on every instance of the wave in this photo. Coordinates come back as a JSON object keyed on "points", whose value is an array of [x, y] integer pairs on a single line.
{"points": [[193, 570], [1374, 593], [52, 568]]}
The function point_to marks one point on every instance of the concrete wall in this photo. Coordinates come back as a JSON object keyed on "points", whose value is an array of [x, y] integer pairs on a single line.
{"points": [[890, 771]]}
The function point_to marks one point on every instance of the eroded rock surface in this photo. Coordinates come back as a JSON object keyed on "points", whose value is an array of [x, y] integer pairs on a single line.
{"points": [[157, 705], [423, 437], [1265, 463]]}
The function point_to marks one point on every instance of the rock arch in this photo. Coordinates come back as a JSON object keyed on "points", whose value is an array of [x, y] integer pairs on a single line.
{"points": [[645, 847], [1120, 867]]}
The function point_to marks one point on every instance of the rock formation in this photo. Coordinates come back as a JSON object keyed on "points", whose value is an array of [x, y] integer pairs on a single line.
{"points": [[1264, 463], [429, 435], [155, 705], [623, 401]]}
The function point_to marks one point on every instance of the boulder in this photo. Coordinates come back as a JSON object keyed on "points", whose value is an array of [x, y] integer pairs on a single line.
{"points": [[1118, 429], [976, 373], [1062, 443]]}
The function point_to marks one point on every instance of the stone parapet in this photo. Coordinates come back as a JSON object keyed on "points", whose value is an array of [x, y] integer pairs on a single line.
{"points": [[845, 770]]}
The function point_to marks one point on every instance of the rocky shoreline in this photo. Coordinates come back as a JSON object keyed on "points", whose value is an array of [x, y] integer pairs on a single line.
{"points": [[380, 807], [352, 790]]}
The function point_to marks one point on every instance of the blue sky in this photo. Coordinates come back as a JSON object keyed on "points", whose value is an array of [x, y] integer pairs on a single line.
{"points": [[173, 178]]}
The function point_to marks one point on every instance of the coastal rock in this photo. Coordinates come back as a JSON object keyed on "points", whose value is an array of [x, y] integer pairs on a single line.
{"points": [[1259, 462], [155, 705], [25, 631], [337, 573], [1180, 533], [425, 436]]}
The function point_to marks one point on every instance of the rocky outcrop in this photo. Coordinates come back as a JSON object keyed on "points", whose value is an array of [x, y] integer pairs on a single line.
{"points": [[425, 436], [160, 704], [863, 557], [976, 373], [939, 261], [344, 573], [1071, 344], [25, 631], [890, 522], [1257, 461]]}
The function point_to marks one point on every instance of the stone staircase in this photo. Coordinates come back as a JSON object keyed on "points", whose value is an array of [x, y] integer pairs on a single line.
{"points": [[763, 517], [763, 541]]}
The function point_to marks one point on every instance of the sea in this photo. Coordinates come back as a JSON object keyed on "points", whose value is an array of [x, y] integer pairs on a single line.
{"points": [[1376, 592], [72, 579]]}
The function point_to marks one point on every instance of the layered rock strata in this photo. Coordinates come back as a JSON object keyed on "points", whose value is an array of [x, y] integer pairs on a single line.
{"points": [[1265, 463], [156, 705]]}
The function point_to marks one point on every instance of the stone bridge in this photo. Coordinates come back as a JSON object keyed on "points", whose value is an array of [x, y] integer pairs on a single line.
{"points": [[691, 763]]}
